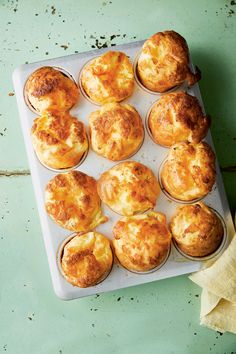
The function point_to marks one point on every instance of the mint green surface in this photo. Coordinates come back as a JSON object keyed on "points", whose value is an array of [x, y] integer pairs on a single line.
{"points": [[157, 318]]}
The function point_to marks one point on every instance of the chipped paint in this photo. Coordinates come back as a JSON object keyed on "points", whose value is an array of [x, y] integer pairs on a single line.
{"points": [[14, 173]]}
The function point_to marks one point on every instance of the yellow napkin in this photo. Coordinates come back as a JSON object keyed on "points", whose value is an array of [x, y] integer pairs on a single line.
{"points": [[218, 299]]}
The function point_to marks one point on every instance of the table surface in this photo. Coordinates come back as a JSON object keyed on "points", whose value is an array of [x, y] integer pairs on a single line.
{"points": [[160, 317]]}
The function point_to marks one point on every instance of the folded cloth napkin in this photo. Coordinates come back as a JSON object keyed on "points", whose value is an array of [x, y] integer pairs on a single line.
{"points": [[218, 299]]}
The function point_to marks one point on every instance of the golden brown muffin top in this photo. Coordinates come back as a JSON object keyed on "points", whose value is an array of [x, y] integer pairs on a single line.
{"points": [[48, 89], [116, 131], [59, 139], [142, 241], [86, 259], [129, 188], [177, 117], [71, 200], [197, 229], [189, 171], [108, 78], [164, 62]]}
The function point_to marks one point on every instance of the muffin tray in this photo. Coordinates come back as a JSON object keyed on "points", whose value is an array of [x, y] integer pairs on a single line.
{"points": [[150, 154]]}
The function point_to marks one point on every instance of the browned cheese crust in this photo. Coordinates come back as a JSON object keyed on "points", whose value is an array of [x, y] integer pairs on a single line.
{"points": [[108, 78], [177, 117], [129, 188], [164, 62], [116, 131], [71, 200], [189, 171], [142, 242], [59, 139], [87, 259], [48, 89], [197, 230]]}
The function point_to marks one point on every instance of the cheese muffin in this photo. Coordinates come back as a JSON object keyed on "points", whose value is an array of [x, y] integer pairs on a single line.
{"points": [[71, 200], [129, 188], [197, 230], [142, 242], [48, 89], [108, 78], [86, 259], [164, 62], [189, 171], [116, 131], [177, 117], [59, 140]]}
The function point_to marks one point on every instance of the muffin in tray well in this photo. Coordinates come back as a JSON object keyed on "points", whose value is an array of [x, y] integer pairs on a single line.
{"points": [[48, 89], [108, 78], [72, 201], [177, 117], [142, 242], [129, 188], [116, 131], [189, 172], [164, 62], [86, 259], [59, 140], [197, 230]]}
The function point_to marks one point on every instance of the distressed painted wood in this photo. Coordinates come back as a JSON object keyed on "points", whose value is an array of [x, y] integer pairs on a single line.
{"points": [[161, 317]]}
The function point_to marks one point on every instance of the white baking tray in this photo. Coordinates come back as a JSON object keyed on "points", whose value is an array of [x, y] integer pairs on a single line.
{"points": [[150, 154]]}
